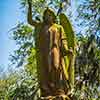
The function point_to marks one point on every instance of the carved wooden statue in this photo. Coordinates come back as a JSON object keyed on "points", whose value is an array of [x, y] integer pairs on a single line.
{"points": [[54, 55]]}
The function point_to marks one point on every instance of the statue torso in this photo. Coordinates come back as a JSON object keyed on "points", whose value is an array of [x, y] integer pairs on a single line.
{"points": [[49, 53]]}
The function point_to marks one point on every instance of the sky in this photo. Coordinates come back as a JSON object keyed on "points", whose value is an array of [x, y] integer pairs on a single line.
{"points": [[10, 15]]}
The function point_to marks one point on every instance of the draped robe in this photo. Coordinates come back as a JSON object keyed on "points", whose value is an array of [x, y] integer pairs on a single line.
{"points": [[52, 72]]}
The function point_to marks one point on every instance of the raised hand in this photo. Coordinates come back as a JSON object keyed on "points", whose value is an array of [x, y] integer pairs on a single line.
{"points": [[29, 2], [70, 51]]}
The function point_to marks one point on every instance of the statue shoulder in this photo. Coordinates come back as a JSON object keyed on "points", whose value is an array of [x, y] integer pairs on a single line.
{"points": [[56, 26]]}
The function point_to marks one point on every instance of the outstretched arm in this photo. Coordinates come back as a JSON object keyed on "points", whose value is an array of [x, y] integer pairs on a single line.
{"points": [[29, 15]]}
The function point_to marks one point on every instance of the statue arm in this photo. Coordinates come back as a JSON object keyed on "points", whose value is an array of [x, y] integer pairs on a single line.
{"points": [[65, 48], [29, 15]]}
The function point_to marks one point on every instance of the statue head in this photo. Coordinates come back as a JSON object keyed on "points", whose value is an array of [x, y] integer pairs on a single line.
{"points": [[49, 16]]}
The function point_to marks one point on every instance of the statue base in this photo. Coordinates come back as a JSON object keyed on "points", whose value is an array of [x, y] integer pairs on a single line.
{"points": [[58, 97]]}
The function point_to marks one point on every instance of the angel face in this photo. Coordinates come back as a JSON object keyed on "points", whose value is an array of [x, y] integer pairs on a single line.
{"points": [[49, 16]]}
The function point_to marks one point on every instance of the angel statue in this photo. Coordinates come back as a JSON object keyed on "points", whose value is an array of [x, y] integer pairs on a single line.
{"points": [[55, 54]]}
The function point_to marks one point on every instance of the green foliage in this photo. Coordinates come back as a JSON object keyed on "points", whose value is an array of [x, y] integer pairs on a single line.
{"points": [[88, 16], [25, 53], [87, 68], [38, 6], [19, 87], [5, 86], [25, 56]]}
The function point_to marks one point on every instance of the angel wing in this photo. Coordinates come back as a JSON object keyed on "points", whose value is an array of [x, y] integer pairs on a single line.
{"points": [[70, 37], [64, 21]]}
